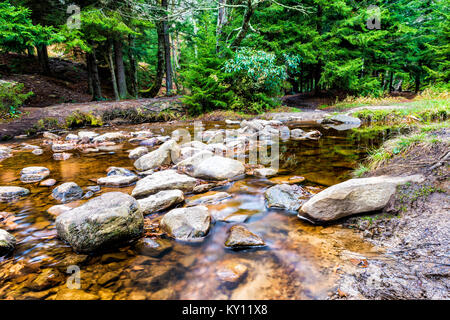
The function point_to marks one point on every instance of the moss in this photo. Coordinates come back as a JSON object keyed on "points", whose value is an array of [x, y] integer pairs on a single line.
{"points": [[140, 115], [80, 119], [44, 124]]}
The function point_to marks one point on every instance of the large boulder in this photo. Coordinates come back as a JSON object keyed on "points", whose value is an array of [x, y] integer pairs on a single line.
{"points": [[67, 192], [160, 201], [353, 196], [7, 242], [163, 180], [285, 196], [109, 220], [219, 168], [34, 174], [187, 223], [167, 153], [239, 237], [9, 193]]}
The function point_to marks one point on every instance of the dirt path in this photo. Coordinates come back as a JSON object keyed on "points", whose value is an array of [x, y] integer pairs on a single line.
{"points": [[31, 116]]}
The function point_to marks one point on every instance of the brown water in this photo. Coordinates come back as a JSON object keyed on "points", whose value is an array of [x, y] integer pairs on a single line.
{"points": [[301, 261]]}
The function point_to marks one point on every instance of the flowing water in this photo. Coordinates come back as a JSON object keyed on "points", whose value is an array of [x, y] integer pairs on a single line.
{"points": [[301, 260]]}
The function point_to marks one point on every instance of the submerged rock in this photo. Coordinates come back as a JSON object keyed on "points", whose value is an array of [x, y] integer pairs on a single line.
{"points": [[58, 209], [61, 147], [232, 272], [37, 152], [67, 192], [7, 242], [9, 193], [240, 237], [219, 168], [163, 180], [211, 199], [160, 201], [354, 196], [34, 174], [153, 247], [285, 196], [109, 220], [61, 156], [187, 223]]}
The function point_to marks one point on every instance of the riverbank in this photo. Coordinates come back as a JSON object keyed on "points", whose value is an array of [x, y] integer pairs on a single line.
{"points": [[413, 229]]}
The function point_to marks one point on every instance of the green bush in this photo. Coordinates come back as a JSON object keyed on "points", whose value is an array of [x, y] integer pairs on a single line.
{"points": [[11, 98]]}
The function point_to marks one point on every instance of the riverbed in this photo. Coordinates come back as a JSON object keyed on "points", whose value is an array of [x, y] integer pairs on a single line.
{"points": [[300, 261]]}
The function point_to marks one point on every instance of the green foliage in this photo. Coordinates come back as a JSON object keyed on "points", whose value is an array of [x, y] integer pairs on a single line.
{"points": [[80, 119], [11, 98]]}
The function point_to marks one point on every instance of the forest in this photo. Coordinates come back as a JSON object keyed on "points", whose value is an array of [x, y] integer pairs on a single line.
{"points": [[224, 150], [240, 55]]}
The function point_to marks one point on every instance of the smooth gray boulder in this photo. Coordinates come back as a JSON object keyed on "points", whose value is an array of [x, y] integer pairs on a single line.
{"points": [[67, 192], [7, 242], [105, 222], [110, 136], [163, 180], [167, 153], [219, 168], [265, 172], [10, 193], [34, 174], [187, 223], [118, 171], [161, 201], [286, 196], [354, 196]]}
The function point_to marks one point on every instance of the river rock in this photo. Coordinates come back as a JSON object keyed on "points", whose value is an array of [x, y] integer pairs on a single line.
{"points": [[354, 196], [161, 201], [163, 180], [109, 220], [72, 137], [341, 122], [167, 153], [231, 272], [67, 192], [219, 168], [297, 133], [34, 174], [50, 136], [58, 209], [48, 278], [153, 247], [37, 152], [285, 196], [7, 242], [187, 223], [265, 172], [137, 152], [117, 180], [195, 160], [211, 199], [118, 171], [240, 237], [48, 183], [61, 147], [110, 136], [87, 135], [61, 156], [9, 193]]}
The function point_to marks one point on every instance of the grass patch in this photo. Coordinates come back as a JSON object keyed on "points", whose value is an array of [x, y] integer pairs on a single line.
{"points": [[140, 115]]}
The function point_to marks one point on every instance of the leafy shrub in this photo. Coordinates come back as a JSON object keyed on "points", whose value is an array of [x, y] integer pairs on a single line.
{"points": [[80, 119], [11, 98]]}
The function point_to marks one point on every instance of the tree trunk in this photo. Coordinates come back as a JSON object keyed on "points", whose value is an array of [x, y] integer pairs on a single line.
{"points": [[121, 78], [417, 82], [96, 86], [245, 26], [89, 70], [43, 59], [133, 66], [110, 60], [167, 55], [391, 80], [154, 90], [221, 18]]}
